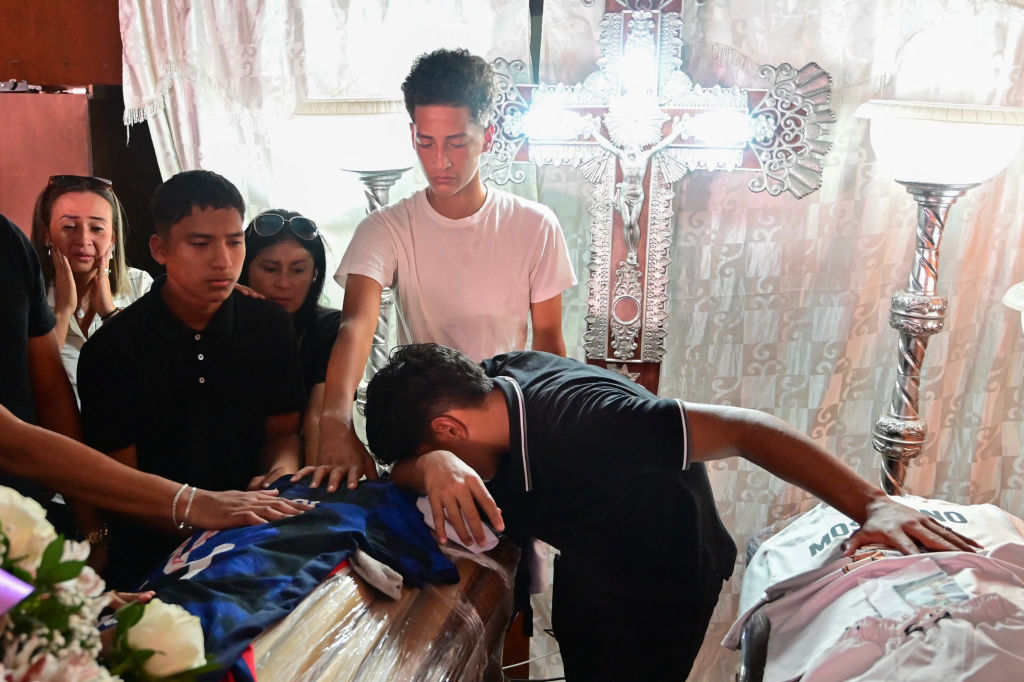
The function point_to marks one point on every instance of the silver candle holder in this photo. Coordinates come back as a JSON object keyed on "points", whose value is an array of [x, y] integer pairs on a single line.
{"points": [[378, 184], [938, 152]]}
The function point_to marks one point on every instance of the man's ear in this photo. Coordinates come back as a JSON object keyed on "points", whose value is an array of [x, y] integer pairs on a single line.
{"points": [[156, 249], [488, 138], [447, 429]]}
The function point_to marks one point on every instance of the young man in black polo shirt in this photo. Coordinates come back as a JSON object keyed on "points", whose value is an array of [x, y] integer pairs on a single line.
{"points": [[194, 381], [612, 476]]}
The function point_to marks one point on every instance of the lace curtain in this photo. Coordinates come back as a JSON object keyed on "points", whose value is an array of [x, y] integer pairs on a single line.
{"points": [[776, 304]]}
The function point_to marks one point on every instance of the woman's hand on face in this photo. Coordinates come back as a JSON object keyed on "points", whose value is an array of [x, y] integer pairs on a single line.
{"points": [[102, 298], [65, 293]]}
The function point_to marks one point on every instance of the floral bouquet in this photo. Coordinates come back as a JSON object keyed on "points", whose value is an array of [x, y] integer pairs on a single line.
{"points": [[52, 633]]}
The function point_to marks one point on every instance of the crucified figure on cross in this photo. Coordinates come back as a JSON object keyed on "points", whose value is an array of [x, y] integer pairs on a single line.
{"points": [[629, 194]]}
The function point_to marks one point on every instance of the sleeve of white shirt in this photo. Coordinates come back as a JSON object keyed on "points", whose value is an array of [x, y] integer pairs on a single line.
{"points": [[140, 282], [552, 272], [371, 252]]}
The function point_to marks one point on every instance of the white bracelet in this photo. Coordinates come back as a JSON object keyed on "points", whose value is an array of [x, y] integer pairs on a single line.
{"points": [[188, 508], [174, 505]]}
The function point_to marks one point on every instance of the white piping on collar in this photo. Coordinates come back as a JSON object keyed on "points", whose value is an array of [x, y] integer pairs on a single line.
{"points": [[527, 478]]}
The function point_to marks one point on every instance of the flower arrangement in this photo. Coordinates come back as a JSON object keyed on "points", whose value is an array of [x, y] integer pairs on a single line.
{"points": [[53, 635]]}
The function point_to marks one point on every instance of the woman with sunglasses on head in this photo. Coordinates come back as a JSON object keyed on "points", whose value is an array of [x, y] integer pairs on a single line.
{"points": [[285, 261], [78, 233]]}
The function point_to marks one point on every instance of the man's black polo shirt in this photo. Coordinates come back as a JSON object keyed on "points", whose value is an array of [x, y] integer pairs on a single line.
{"points": [[194, 403], [598, 468]]}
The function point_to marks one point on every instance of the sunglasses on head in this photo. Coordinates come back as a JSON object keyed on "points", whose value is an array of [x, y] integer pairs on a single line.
{"points": [[269, 224], [88, 181]]}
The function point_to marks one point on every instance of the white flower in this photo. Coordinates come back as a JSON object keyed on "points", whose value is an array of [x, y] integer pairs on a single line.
{"points": [[173, 633], [86, 584], [75, 551], [25, 525]]}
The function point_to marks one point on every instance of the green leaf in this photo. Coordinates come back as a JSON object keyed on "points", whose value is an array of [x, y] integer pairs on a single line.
{"points": [[130, 660], [191, 674], [51, 557], [127, 616], [65, 571], [20, 573]]}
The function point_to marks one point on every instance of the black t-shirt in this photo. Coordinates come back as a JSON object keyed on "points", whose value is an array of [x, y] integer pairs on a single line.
{"points": [[604, 473], [194, 403], [315, 342], [24, 314]]}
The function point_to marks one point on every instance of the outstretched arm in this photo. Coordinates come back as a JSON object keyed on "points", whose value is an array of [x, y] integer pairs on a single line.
{"points": [[54, 399], [717, 432], [677, 127], [64, 464], [341, 455], [605, 142]]}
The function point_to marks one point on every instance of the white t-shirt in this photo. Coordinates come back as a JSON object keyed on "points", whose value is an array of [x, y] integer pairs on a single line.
{"points": [[139, 282], [465, 283]]}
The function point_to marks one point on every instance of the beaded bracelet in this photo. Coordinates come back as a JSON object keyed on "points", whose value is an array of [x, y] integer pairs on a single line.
{"points": [[174, 504], [188, 508]]}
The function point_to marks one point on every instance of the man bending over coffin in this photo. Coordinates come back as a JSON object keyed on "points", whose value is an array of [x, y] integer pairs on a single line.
{"points": [[613, 477], [194, 381]]}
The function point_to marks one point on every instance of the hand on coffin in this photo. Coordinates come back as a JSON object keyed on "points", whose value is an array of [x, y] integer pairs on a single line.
{"points": [[908, 530], [341, 455], [264, 480], [452, 486], [231, 508]]}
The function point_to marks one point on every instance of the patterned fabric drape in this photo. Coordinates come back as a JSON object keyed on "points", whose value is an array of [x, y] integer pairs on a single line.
{"points": [[776, 304], [782, 305]]}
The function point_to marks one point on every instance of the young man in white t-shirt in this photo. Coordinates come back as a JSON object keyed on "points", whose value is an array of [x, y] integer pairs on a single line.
{"points": [[470, 265]]}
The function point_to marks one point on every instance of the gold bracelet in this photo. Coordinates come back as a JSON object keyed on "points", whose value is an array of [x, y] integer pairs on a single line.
{"points": [[115, 311]]}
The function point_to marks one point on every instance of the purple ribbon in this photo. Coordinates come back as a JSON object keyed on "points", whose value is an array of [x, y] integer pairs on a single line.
{"points": [[12, 591]]}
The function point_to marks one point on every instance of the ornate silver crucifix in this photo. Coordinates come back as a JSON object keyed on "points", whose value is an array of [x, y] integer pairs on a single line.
{"points": [[634, 127]]}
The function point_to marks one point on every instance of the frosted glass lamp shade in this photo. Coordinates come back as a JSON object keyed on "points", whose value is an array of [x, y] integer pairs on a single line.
{"points": [[948, 144], [1015, 299]]}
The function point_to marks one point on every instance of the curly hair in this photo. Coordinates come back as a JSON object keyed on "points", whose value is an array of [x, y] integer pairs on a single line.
{"points": [[420, 382], [174, 200], [454, 78]]}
